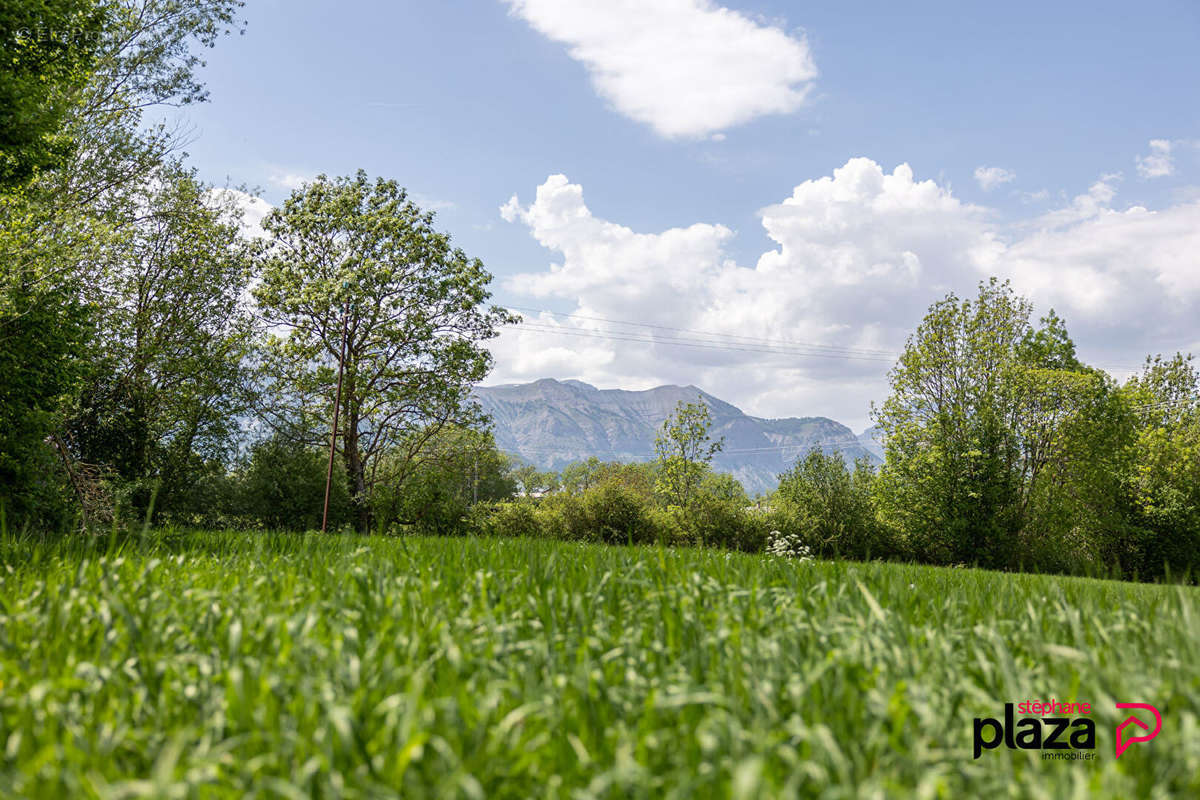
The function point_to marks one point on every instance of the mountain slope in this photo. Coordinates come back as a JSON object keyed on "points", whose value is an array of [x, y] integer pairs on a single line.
{"points": [[552, 423], [872, 440]]}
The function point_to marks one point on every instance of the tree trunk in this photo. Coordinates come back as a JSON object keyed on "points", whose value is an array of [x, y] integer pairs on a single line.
{"points": [[355, 470]]}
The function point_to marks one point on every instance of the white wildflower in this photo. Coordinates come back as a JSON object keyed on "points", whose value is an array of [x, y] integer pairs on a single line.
{"points": [[787, 545]]}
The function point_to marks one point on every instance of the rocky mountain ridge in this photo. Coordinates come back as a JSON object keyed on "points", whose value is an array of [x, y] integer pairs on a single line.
{"points": [[551, 423]]}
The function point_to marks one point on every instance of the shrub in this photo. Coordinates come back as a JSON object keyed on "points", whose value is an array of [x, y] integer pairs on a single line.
{"points": [[562, 517], [282, 487], [616, 515], [511, 519], [717, 522], [833, 507]]}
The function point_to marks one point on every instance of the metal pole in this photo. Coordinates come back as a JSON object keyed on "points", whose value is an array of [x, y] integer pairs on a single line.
{"points": [[337, 406]]}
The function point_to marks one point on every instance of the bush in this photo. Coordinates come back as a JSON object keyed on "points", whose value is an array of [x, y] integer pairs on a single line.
{"points": [[282, 487], [434, 494], [561, 516], [609, 512], [616, 515], [717, 522], [832, 507], [506, 519]]}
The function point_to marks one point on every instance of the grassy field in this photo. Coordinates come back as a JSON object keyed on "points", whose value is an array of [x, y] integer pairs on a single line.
{"points": [[212, 665]]}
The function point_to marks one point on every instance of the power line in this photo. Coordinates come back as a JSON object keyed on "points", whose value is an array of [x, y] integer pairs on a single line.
{"points": [[693, 343], [731, 337], [722, 341]]}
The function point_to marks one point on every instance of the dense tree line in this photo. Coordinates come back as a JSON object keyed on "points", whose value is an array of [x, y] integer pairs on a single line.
{"points": [[161, 364], [1003, 450]]}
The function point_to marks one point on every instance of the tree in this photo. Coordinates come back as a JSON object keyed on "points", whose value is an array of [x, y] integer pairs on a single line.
{"points": [[49, 48], [1163, 479], [40, 330], [75, 80], [455, 469], [981, 405], [355, 258], [579, 476], [685, 452], [167, 379], [534, 481], [137, 54]]}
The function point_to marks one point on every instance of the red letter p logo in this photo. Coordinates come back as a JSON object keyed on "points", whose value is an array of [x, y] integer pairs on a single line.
{"points": [[1123, 742]]}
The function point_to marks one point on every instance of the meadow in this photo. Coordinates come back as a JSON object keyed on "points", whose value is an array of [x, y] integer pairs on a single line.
{"points": [[196, 664]]}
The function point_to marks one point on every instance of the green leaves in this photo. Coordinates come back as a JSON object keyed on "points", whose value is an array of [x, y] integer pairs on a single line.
{"points": [[357, 256], [980, 422], [167, 378], [685, 452], [49, 49]]}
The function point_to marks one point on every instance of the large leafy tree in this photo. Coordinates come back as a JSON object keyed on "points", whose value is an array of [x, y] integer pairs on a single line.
{"points": [[49, 48], [356, 259], [982, 406], [166, 379], [76, 160], [1163, 475]]}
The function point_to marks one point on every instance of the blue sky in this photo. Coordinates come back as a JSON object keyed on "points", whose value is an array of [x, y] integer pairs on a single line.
{"points": [[470, 103]]}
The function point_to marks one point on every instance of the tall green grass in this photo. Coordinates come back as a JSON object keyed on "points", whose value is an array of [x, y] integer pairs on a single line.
{"points": [[230, 665]]}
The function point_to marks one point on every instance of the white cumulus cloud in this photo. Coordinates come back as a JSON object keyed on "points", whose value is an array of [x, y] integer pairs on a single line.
{"points": [[687, 68], [289, 181], [991, 177], [1159, 163], [858, 257], [252, 209]]}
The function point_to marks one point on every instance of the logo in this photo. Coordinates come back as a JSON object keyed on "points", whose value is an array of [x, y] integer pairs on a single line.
{"points": [[1037, 732], [1057, 726], [1123, 742]]}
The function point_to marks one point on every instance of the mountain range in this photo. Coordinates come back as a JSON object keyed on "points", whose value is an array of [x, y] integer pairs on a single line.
{"points": [[550, 423]]}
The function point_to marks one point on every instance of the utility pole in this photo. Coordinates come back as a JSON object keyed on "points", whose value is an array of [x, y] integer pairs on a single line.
{"points": [[337, 406]]}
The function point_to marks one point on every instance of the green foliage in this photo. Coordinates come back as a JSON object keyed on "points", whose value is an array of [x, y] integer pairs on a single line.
{"points": [[433, 490], [714, 520], [980, 417], [41, 330], [533, 481], [354, 259], [282, 487], [685, 452], [617, 515], [832, 507], [49, 49], [76, 177], [578, 476], [1003, 449], [723, 486], [167, 378], [639, 478], [1163, 483], [214, 665], [509, 520], [609, 512], [152, 50]]}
